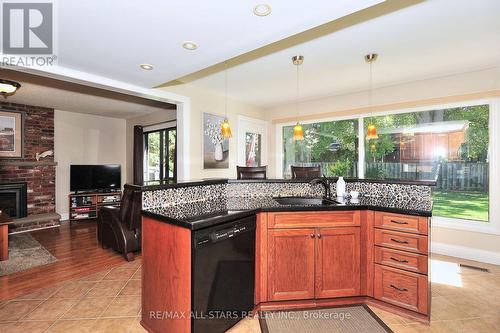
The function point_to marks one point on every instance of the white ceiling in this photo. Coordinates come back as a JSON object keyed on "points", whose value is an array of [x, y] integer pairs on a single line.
{"points": [[430, 39], [111, 38], [66, 96]]}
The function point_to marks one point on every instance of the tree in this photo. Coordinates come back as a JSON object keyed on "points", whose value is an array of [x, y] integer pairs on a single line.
{"points": [[378, 148], [477, 135], [154, 149], [333, 142]]}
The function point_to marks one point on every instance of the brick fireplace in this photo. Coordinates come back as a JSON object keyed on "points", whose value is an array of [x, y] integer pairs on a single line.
{"points": [[39, 176]]}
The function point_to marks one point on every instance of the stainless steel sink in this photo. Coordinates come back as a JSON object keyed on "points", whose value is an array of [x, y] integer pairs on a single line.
{"points": [[305, 201]]}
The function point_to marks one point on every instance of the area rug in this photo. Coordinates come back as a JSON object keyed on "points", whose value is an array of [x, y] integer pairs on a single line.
{"points": [[25, 252], [348, 319]]}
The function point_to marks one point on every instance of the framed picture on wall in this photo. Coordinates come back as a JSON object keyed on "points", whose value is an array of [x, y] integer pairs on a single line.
{"points": [[11, 134], [215, 147], [253, 149]]}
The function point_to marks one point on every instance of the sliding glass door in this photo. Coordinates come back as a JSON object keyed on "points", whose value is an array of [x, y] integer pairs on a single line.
{"points": [[160, 155]]}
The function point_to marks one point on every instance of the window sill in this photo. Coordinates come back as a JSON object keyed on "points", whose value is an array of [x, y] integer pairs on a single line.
{"points": [[465, 225]]}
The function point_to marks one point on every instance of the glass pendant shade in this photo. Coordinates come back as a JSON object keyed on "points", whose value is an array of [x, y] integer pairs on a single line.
{"points": [[8, 87], [371, 132], [298, 132], [226, 129]]}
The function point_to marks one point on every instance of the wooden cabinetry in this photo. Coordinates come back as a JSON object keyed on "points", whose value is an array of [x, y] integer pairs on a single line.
{"points": [[320, 261], [399, 222], [311, 259], [291, 264], [337, 262], [405, 289], [401, 261], [402, 241]]}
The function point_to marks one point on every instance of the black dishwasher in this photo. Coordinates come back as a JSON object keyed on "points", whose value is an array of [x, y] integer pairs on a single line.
{"points": [[223, 275]]}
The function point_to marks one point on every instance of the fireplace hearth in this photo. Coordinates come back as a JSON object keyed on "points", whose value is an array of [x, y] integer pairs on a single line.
{"points": [[13, 199]]}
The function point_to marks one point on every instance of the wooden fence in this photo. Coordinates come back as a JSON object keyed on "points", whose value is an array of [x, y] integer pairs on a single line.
{"points": [[450, 176]]}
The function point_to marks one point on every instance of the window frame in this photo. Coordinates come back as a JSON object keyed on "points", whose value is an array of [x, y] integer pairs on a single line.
{"points": [[492, 226], [164, 132]]}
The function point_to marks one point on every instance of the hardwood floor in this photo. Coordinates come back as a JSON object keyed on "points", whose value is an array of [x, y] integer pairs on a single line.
{"points": [[78, 254]]}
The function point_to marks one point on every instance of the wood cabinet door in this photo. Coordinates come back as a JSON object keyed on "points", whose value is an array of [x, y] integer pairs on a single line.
{"points": [[338, 262], [291, 264]]}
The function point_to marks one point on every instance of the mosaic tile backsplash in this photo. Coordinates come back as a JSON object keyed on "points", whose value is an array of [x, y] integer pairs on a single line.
{"points": [[178, 196], [184, 195]]}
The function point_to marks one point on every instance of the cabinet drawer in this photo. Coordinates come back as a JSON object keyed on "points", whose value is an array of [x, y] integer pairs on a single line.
{"points": [[401, 288], [313, 219], [402, 241], [406, 223], [408, 261]]}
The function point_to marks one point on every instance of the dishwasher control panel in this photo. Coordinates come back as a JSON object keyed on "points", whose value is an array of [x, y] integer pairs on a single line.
{"points": [[227, 233], [223, 232]]}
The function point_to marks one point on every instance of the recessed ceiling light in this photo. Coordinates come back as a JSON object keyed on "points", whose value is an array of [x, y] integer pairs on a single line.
{"points": [[146, 67], [262, 9], [189, 45]]}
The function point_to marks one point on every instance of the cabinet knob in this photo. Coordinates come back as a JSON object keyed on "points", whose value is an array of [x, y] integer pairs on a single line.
{"points": [[319, 235], [313, 235]]}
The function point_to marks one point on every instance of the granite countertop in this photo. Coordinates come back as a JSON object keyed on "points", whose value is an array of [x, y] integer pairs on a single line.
{"points": [[202, 214]]}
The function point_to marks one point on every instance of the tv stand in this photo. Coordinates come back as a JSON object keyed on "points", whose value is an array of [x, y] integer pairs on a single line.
{"points": [[86, 205]]}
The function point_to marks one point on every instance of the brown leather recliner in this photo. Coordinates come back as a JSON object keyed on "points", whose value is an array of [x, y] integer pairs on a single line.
{"points": [[120, 228], [305, 172]]}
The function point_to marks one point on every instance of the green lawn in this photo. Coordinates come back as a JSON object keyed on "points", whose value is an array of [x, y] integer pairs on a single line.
{"points": [[462, 205]]}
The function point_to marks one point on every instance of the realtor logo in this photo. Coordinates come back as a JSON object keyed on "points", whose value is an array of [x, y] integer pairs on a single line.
{"points": [[27, 28]]}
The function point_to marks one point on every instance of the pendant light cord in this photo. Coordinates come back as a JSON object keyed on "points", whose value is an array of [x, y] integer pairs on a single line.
{"points": [[298, 93], [371, 87], [225, 89]]}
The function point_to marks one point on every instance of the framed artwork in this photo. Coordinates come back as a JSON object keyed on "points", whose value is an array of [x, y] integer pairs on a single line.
{"points": [[253, 148], [11, 134], [215, 147]]}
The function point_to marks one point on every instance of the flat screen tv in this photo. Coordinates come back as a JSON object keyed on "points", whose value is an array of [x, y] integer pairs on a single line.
{"points": [[95, 177]]}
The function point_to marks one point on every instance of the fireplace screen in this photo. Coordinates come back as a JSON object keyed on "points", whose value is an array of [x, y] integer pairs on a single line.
{"points": [[13, 200]]}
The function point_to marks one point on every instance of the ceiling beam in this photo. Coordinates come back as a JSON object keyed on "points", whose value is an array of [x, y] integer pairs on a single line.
{"points": [[364, 15]]}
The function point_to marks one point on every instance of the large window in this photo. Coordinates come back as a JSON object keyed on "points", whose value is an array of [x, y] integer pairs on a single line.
{"points": [[160, 155], [447, 145], [333, 145]]}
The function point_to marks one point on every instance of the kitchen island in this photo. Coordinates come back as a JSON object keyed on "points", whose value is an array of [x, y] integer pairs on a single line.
{"points": [[373, 250]]}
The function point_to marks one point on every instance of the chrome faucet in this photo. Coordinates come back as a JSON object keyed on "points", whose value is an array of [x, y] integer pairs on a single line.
{"points": [[326, 184]]}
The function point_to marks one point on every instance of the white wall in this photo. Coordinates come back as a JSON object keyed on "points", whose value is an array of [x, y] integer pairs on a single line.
{"points": [[85, 139], [206, 101]]}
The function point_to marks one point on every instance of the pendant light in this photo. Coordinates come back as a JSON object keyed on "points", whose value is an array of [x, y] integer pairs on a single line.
{"points": [[298, 132], [8, 87], [225, 128], [371, 132]]}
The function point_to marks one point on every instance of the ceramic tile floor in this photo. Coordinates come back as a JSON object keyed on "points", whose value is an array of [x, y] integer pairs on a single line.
{"points": [[463, 301]]}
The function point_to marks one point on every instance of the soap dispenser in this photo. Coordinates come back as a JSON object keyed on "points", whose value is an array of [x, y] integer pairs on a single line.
{"points": [[340, 187]]}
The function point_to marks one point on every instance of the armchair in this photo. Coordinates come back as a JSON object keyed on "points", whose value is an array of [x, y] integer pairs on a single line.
{"points": [[120, 228]]}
